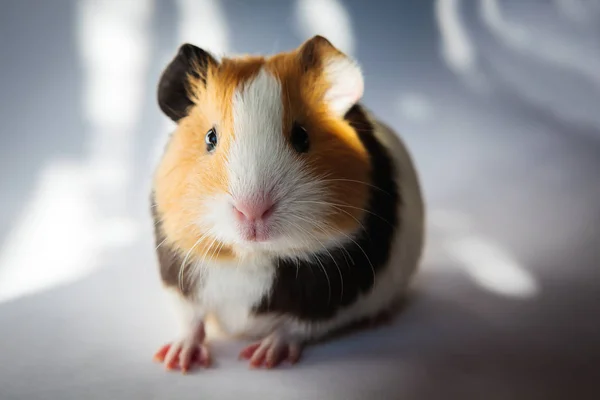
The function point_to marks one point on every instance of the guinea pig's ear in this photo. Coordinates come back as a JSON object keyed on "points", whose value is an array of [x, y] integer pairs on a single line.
{"points": [[190, 63], [343, 75]]}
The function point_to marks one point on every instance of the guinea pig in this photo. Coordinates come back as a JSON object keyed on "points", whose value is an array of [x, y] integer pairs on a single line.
{"points": [[283, 209]]}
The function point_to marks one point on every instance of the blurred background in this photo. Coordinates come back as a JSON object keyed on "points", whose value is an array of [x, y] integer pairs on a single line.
{"points": [[498, 100]]}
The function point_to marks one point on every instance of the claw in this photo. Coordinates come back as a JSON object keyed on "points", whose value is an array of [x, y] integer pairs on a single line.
{"points": [[183, 355], [271, 352], [161, 353], [246, 354]]}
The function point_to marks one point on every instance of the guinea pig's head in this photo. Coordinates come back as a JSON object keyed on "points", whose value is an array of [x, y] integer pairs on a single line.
{"points": [[262, 159]]}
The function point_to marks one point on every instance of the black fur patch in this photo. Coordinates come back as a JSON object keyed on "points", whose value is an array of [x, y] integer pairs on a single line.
{"points": [[173, 87], [170, 260], [313, 290]]}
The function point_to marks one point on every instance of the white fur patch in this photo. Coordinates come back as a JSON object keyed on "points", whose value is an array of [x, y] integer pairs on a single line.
{"points": [[347, 84], [230, 291], [261, 161], [259, 152], [187, 314]]}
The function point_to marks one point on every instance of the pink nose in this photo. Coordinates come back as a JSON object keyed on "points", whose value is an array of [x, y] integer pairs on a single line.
{"points": [[253, 210]]}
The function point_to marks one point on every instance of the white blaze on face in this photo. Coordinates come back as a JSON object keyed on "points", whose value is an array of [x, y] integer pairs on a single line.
{"points": [[259, 155], [262, 163]]}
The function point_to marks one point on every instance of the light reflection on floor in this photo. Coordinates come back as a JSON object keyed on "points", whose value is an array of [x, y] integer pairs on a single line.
{"points": [[502, 124], [454, 238]]}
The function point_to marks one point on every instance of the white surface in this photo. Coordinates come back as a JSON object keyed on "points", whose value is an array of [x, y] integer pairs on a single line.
{"points": [[95, 339], [506, 305]]}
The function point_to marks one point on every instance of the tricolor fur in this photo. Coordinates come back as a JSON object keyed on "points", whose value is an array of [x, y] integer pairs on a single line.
{"points": [[346, 232]]}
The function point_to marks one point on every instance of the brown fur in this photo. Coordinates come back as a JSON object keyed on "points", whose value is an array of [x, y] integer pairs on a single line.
{"points": [[187, 172], [335, 150]]}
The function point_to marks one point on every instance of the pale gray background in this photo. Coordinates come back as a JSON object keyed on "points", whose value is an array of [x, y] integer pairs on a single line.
{"points": [[499, 102]]}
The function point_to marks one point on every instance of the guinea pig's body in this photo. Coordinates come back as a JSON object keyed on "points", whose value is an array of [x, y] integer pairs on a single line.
{"points": [[282, 208]]}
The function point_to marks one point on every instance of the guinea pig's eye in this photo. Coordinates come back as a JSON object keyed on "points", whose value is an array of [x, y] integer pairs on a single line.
{"points": [[211, 140], [299, 138]]}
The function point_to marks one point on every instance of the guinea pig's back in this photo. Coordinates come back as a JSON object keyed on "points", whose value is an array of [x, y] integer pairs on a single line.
{"points": [[409, 240]]}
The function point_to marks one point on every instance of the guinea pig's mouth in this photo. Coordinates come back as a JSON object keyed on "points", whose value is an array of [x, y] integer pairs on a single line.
{"points": [[258, 232], [254, 220], [265, 222]]}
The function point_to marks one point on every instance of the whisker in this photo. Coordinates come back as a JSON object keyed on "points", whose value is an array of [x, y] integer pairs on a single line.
{"points": [[217, 252], [356, 181], [327, 277], [338, 209], [160, 244], [297, 252], [347, 206], [183, 263], [198, 266], [194, 267], [319, 225], [206, 252], [332, 258], [320, 263], [360, 248]]}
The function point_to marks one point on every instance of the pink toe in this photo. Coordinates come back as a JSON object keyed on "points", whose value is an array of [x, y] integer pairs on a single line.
{"points": [[275, 356], [159, 356], [205, 359], [258, 361], [249, 351], [172, 359]]}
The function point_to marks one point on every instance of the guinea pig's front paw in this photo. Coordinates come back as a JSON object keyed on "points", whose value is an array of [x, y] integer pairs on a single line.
{"points": [[272, 350], [186, 353], [183, 355]]}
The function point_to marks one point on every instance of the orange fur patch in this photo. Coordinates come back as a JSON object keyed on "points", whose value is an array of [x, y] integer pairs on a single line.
{"points": [[336, 152], [187, 173]]}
